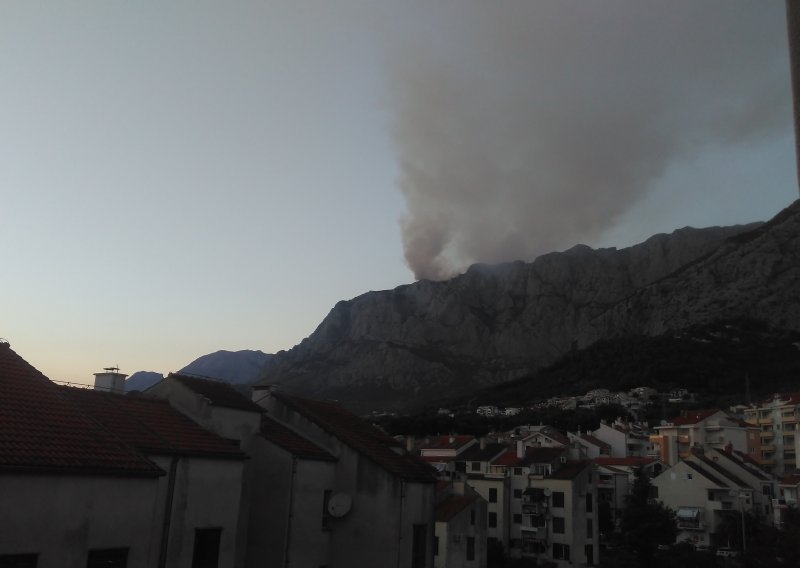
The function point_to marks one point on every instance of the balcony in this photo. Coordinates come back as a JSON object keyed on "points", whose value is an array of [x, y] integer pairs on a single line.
{"points": [[683, 439], [767, 434], [767, 447], [720, 505], [767, 460], [765, 421]]}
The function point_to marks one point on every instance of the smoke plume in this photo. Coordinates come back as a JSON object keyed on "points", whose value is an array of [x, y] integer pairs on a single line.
{"points": [[522, 127]]}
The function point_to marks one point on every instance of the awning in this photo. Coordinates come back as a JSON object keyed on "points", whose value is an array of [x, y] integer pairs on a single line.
{"points": [[688, 513]]}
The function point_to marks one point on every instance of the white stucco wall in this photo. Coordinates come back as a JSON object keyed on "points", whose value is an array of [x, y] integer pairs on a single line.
{"points": [[230, 423], [378, 530], [62, 517], [286, 513], [207, 495]]}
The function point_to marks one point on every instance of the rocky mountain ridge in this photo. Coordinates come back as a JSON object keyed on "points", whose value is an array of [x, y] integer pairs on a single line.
{"points": [[496, 323]]}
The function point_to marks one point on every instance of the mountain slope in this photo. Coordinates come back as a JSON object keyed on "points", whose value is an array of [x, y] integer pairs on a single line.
{"points": [[495, 323], [235, 367]]}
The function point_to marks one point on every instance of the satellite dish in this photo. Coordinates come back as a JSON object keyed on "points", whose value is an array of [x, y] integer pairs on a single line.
{"points": [[547, 492], [339, 504]]}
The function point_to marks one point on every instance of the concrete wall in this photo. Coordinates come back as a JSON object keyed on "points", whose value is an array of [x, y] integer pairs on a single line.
{"points": [[501, 508], [453, 537], [286, 516], [229, 423], [63, 517], [206, 495], [378, 530]]}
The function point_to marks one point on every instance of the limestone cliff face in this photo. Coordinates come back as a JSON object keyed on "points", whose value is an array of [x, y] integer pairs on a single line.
{"points": [[495, 323]]}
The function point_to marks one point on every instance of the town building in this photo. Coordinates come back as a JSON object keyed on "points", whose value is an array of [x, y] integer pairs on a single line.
{"points": [[71, 461], [625, 439], [706, 429], [460, 535], [379, 507], [705, 489], [777, 419]]}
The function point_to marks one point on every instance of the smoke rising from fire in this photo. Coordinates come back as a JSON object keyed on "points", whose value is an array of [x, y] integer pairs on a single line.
{"points": [[523, 127]]}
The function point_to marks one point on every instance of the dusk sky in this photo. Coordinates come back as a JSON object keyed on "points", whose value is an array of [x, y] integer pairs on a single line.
{"points": [[183, 177]]}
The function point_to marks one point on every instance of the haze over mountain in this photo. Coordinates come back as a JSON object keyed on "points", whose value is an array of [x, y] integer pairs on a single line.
{"points": [[496, 323], [235, 367]]}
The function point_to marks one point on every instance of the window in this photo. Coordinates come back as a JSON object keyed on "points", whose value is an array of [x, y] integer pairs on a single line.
{"points": [[711, 496], [688, 476], [558, 499], [475, 466], [436, 546], [108, 558], [517, 471], [470, 548], [517, 493], [206, 548], [492, 495], [472, 517], [558, 525], [517, 519], [560, 551], [589, 503], [18, 560], [418, 545], [492, 520], [589, 551], [589, 529]]}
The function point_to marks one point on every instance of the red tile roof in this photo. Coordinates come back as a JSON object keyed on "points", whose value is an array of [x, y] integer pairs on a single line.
{"points": [[596, 441], [508, 459], [453, 505], [361, 436], [151, 425], [42, 430], [291, 441], [693, 416], [218, 393]]}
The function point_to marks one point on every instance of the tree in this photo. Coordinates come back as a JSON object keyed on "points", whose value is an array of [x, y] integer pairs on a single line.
{"points": [[646, 524]]}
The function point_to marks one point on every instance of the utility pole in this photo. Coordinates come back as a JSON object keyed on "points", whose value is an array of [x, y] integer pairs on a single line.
{"points": [[793, 27]]}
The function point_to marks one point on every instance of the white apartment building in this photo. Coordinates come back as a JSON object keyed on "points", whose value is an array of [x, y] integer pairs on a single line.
{"points": [[777, 420]]}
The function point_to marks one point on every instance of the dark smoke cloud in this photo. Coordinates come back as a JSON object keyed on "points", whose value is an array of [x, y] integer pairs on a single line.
{"points": [[526, 126]]}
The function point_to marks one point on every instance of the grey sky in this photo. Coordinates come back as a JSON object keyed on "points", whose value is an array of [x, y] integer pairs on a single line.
{"points": [[183, 177]]}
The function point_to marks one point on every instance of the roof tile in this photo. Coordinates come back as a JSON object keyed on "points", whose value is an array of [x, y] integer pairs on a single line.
{"points": [[42, 430]]}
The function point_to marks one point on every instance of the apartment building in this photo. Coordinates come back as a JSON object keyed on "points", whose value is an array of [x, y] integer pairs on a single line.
{"points": [[776, 419], [707, 429], [704, 489], [625, 439], [460, 536]]}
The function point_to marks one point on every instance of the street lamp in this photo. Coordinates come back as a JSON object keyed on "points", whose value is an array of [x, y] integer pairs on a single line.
{"points": [[742, 495]]}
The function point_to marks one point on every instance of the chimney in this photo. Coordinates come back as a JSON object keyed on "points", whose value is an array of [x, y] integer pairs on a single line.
{"points": [[482, 442], [729, 448], [520, 449], [110, 380], [409, 444], [451, 439]]}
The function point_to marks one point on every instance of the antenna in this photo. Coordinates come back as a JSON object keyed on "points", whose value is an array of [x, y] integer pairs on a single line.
{"points": [[112, 369]]}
